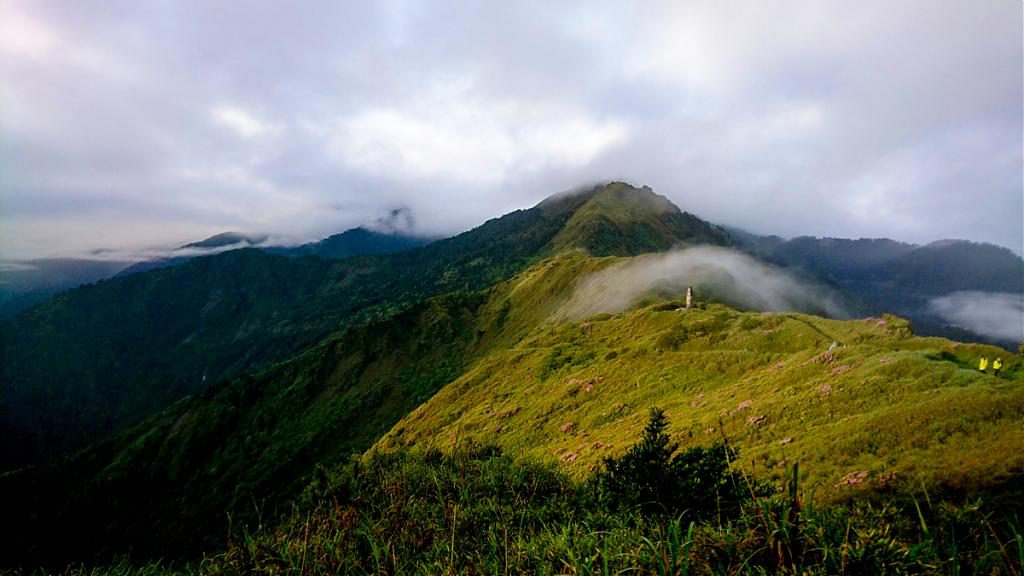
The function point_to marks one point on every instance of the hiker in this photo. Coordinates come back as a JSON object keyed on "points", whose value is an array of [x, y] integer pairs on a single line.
{"points": [[983, 365], [996, 366]]}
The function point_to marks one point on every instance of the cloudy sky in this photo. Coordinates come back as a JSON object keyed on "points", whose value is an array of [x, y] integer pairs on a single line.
{"points": [[133, 124]]}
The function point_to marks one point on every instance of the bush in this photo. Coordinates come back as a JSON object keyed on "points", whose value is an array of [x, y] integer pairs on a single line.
{"points": [[477, 511], [697, 482]]}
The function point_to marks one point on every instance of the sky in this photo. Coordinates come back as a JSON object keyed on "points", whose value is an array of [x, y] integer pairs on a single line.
{"points": [[128, 124]]}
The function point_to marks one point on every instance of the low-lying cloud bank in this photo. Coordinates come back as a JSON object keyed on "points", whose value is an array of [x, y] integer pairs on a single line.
{"points": [[993, 314], [726, 275]]}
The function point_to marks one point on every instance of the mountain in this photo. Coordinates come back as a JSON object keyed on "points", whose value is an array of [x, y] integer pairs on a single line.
{"points": [[889, 276], [24, 284], [356, 242], [837, 396], [955, 265], [154, 264], [498, 366], [620, 220], [98, 359], [836, 258], [227, 239], [185, 252], [257, 438], [214, 398]]}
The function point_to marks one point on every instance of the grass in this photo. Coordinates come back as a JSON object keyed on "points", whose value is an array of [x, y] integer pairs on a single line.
{"points": [[476, 511], [245, 449], [882, 418], [908, 411]]}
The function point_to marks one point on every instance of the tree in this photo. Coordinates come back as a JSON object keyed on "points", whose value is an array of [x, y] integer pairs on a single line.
{"points": [[651, 475]]}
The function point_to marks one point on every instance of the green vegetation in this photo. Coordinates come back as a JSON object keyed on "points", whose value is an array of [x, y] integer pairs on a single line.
{"points": [[242, 450], [650, 476], [888, 276], [619, 221], [245, 448], [352, 424], [100, 358], [840, 397], [881, 414], [475, 510]]}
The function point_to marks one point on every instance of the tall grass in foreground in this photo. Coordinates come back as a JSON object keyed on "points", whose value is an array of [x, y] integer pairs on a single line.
{"points": [[652, 510], [477, 511]]}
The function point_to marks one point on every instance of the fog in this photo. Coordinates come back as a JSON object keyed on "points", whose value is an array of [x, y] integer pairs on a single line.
{"points": [[720, 273], [997, 315]]}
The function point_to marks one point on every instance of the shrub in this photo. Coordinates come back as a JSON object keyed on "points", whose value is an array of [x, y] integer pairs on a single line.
{"points": [[697, 482]]}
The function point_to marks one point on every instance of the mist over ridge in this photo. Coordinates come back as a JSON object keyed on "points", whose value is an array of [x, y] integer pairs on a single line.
{"points": [[993, 314], [724, 274]]}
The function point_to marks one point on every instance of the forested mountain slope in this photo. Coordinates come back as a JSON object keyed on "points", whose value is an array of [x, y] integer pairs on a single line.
{"points": [[254, 440], [99, 358], [905, 279]]}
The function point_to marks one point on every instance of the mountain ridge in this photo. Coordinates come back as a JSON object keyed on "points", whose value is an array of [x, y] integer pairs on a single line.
{"points": [[889, 276], [132, 345], [274, 368], [495, 366]]}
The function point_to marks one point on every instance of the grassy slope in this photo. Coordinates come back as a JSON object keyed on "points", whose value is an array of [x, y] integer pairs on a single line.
{"points": [[618, 220], [517, 379], [247, 448], [100, 358], [884, 401]]}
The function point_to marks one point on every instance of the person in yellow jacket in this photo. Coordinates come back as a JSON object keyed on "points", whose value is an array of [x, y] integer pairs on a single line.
{"points": [[983, 365], [996, 366]]}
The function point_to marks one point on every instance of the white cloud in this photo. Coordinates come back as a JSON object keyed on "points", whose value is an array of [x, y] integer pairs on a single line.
{"points": [[470, 141], [239, 120], [22, 36], [721, 273], [996, 315], [790, 117]]}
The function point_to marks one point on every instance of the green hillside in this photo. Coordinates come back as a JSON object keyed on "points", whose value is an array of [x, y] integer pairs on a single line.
{"points": [[99, 358], [258, 438], [621, 220], [495, 367], [370, 411], [912, 412]]}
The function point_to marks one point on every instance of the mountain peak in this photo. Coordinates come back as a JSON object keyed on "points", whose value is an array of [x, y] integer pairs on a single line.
{"points": [[226, 239], [362, 241], [614, 192], [620, 219], [642, 199]]}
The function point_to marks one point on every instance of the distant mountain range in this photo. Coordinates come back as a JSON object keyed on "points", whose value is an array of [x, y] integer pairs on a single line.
{"points": [[905, 279], [25, 284], [28, 283], [224, 239], [133, 344], [356, 242]]}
